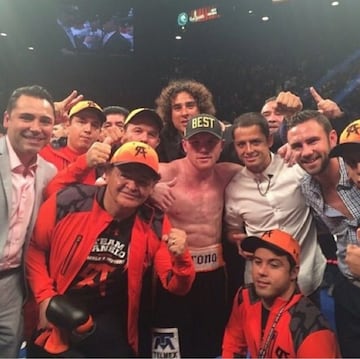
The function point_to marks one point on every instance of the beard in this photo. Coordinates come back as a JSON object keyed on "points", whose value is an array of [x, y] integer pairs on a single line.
{"points": [[317, 170]]}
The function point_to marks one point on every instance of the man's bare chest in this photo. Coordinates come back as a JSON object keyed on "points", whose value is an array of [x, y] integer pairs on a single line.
{"points": [[332, 199], [203, 199]]}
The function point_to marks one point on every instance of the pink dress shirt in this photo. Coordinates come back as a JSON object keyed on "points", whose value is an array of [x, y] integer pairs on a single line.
{"points": [[22, 203]]}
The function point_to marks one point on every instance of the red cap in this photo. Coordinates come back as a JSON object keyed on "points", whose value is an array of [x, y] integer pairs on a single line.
{"points": [[137, 152], [276, 239]]}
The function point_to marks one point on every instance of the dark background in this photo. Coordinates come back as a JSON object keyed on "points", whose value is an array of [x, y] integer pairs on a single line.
{"points": [[240, 58]]}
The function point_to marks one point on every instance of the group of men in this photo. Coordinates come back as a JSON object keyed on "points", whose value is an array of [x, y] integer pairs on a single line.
{"points": [[91, 245]]}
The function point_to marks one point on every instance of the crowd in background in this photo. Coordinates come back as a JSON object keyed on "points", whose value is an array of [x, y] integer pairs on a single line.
{"points": [[238, 86]]}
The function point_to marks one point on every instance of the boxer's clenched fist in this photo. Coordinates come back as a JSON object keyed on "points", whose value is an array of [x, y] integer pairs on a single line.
{"points": [[176, 241]]}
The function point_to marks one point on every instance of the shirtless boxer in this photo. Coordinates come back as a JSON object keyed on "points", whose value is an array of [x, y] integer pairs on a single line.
{"points": [[198, 318]]}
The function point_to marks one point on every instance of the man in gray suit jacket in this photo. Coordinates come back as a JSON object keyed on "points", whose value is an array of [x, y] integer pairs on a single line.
{"points": [[29, 119]]}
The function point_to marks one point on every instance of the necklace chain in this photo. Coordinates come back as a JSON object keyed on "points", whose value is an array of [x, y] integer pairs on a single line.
{"points": [[258, 183]]}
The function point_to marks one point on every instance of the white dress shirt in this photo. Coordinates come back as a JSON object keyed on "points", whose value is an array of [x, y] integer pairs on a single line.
{"points": [[277, 202]]}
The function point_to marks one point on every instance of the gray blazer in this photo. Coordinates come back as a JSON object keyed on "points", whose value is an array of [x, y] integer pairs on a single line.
{"points": [[44, 173]]}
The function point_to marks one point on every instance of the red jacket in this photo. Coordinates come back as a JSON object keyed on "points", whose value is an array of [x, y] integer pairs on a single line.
{"points": [[76, 172], [59, 157], [301, 332], [72, 168], [67, 226]]}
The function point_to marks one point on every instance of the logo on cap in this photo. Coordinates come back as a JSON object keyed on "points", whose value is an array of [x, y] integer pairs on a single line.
{"points": [[137, 152], [150, 114], [140, 150], [91, 104], [349, 141], [87, 104], [275, 238], [351, 133], [203, 123]]}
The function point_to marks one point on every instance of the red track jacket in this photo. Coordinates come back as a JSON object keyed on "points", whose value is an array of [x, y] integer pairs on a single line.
{"points": [[67, 226], [301, 332], [71, 167]]}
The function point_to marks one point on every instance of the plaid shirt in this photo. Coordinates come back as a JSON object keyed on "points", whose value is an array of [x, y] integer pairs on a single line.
{"points": [[340, 226]]}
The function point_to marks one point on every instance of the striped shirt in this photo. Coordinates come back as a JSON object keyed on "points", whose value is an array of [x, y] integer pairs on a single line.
{"points": [[340, 226]]}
